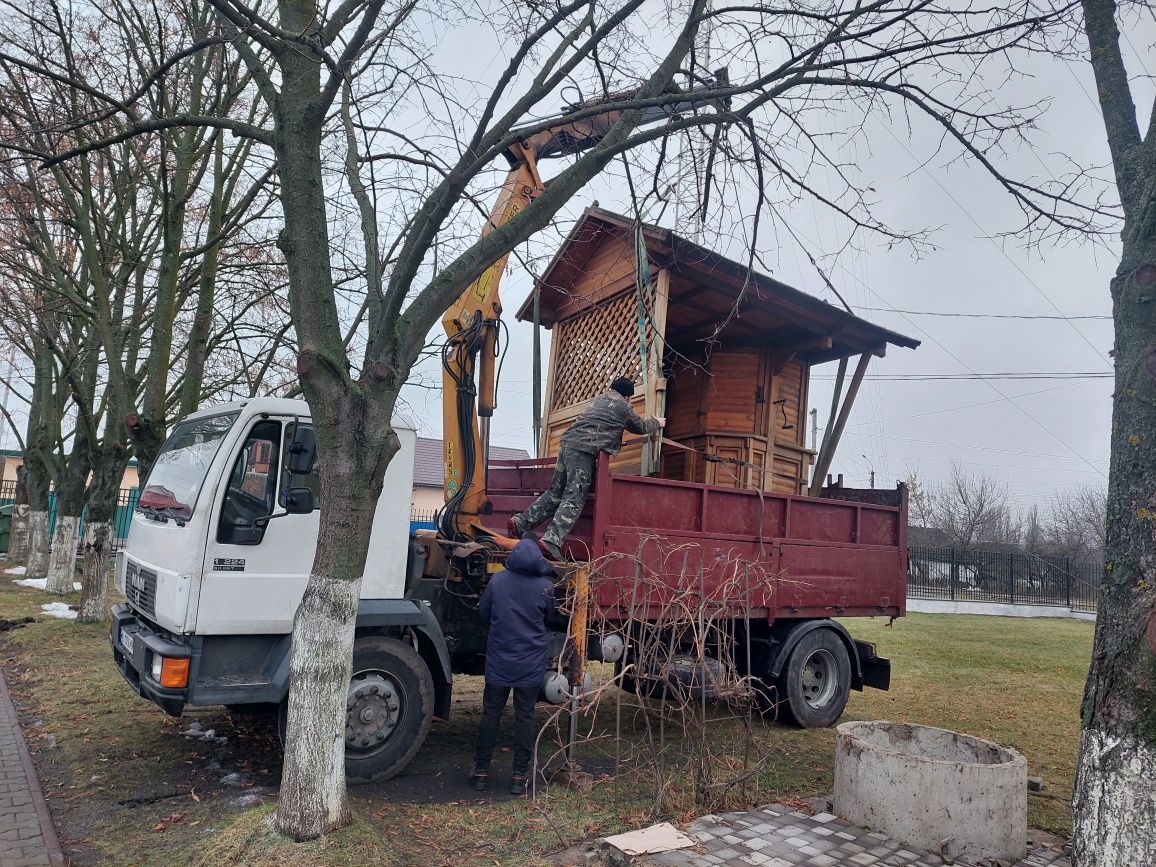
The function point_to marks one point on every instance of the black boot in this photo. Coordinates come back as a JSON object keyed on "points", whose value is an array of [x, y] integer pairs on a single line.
{"points": [[518, 784], [480, 780]]}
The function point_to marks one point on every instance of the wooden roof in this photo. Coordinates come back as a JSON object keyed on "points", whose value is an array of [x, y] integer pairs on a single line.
{"points": [[704, 289]]}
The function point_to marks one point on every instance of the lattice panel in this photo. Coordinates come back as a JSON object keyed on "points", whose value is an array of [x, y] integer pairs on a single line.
{"points": [[595, 347]]}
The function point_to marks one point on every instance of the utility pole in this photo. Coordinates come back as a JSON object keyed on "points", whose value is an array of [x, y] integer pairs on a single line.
{"points": [[814, 429], [871, 466]]}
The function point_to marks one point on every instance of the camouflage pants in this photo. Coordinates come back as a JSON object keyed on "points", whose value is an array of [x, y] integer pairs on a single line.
{"points": [[573, 475]]}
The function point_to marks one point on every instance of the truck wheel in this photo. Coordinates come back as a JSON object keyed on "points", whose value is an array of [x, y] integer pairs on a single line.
{"points": [[814, 686], [644, 686], [389, 709]]}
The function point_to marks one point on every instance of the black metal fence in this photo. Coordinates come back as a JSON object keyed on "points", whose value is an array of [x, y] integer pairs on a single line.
{"points": [[1010, 578]]}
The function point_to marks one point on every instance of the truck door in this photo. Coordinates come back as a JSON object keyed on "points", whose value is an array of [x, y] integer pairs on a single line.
{"points": [[257, 556]]}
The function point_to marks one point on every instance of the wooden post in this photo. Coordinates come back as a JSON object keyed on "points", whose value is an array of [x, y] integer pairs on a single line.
{"points": [[579, 631], [543, 443], [655, 381], [537, 373], [831, 440]]}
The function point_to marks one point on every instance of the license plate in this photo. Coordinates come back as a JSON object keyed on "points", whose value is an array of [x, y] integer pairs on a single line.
{"points": [[126, 641]]}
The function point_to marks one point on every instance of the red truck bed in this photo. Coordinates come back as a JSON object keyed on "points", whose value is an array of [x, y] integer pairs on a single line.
{"points": [[840, 554]]}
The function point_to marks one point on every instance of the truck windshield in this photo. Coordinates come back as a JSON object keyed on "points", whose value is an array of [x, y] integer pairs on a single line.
{"points": [[176, 478]]}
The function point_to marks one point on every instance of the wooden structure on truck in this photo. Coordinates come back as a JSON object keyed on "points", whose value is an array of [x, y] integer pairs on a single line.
{"points": [[722, 351]]}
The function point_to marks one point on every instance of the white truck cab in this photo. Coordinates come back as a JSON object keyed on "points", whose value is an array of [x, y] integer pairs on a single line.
{"points": [[216, 561]]}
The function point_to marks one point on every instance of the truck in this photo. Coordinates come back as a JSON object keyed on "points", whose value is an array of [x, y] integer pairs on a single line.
{"points": [[222, 540], [214, 568]]}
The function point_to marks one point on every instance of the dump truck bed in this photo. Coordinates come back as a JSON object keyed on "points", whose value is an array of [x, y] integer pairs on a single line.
{"points": [[757, 554]]}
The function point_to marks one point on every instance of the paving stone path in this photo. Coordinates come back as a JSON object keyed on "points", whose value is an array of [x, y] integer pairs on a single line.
{"points": [[777, 836], [27, 838]]}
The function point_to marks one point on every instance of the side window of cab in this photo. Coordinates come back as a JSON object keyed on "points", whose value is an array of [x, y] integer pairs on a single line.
{"points": [[251, 493]]}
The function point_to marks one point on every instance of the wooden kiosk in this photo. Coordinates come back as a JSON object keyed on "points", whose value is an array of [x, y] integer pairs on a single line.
{"points": [[724, 353]]}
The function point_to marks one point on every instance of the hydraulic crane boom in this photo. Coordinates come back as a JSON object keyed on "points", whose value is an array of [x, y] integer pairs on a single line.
{"points": [[472, 323]]}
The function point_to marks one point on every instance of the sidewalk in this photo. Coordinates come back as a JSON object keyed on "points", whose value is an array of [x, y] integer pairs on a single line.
{"points": [[777, 836], [27, 838]]}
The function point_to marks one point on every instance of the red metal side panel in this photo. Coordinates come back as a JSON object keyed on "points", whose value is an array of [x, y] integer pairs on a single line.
{"points": [[764, 556], [822, 580], [822, 520]]}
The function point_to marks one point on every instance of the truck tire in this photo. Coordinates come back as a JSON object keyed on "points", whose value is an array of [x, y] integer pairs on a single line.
{"points": [[389, 709], [816, 681]]}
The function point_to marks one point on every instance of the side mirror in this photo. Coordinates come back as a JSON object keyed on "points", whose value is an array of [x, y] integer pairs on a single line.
{"points": [[297, 501], [302, 451]]}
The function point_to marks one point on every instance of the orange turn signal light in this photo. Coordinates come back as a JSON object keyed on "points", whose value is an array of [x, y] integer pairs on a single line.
{"points": [[174, 672]]}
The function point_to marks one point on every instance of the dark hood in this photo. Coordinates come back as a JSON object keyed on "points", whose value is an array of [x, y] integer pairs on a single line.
{"points": [[527, 559]]}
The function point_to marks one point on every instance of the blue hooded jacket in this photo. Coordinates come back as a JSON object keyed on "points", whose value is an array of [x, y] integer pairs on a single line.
{"points": [[517, 603]]}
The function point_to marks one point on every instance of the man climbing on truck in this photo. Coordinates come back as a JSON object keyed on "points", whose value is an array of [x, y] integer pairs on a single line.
{"points": [[598, 429]]}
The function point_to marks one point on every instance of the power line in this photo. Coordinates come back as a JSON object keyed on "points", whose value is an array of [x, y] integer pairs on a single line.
{"points": [[967, 367], [979, 377], [1013, 397], [979, 315], [1002, 251]]}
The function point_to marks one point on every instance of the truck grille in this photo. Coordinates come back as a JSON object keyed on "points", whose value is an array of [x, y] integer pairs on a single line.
{"points": [[140, 587]]}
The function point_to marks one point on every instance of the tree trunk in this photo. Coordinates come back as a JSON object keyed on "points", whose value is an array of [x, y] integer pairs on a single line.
{"points": [[69, 506], [312, 799], [39, 544], [18, 540], [1114, 806], [62, 560], [94, 585], [355, 449], [98, 530]]}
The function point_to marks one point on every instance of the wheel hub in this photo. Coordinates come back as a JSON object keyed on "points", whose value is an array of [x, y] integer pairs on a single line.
{"points": [[372, 710], [819, 679]]}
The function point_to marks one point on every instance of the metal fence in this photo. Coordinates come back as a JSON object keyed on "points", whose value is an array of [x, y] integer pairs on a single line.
{"points": [[1010, 578], [422, 519], [126, 501]]}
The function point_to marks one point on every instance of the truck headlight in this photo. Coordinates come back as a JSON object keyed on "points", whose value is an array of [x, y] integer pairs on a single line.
{"points": [[171, 672]]}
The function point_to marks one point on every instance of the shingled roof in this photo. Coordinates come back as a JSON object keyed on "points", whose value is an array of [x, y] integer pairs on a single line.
{"points": [[706, 290], [429, 468]]}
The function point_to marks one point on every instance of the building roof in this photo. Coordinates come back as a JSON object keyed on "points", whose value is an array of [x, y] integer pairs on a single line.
{"points": [[429, 466], [706, 288]]}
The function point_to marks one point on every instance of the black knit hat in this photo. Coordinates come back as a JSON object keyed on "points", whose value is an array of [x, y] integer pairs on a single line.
{"points": [[624, 385]]}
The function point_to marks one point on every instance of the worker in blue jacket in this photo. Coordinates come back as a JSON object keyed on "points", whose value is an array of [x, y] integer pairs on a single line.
{"points": [[516, 604]]}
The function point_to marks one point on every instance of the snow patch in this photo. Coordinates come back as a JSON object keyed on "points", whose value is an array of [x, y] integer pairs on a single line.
{"points": [[195, 732], [17, 570], [60, 610], [41, 583]]}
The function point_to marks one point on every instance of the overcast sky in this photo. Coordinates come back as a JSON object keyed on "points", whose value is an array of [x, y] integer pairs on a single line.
{"points": [[1040, 436]]}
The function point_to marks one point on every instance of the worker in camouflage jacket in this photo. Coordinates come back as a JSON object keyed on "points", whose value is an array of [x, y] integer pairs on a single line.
{"points": [[598, 429]]}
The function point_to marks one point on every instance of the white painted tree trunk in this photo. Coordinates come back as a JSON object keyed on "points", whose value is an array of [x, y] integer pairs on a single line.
{"points": [[62, 561], [38, 544], [94, 584], [312, 799], [18, 541], [1114, 811]]}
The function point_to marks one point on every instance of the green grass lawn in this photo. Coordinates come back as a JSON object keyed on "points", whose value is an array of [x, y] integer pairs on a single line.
{"points": [[125, 787]]}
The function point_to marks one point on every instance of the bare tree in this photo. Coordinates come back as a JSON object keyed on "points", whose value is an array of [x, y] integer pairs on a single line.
{"points": [[1076, 525], [1115, 799], [970, 508]]}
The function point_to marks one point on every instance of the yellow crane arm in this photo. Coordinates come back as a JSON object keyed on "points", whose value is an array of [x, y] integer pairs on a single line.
{"points": [[471, 326], [473, 321]]}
